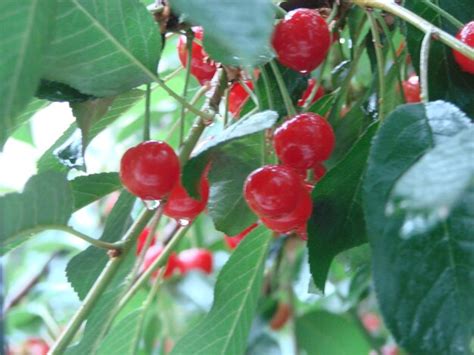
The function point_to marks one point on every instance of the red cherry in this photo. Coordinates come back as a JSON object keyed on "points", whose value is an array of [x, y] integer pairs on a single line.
{"points": [[238, 97], [371, 322], [390, 349], [36, 346], [153, 253], [304, 140], [465, 35], [301, 40], [142, 240], [195, 259], [319, 171], [411, 89], [202, 67], [150, 170], [181, 206], [233, 241], [273, 190], [295, 219], [319, 93]]}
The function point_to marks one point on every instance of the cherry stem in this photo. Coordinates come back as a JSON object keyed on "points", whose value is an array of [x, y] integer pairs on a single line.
{"points": [[146, 124], [420, 23], [454, 21], [249, 91], [396, 59], [175, 237], [268, 90], [226, 111], [380, 64], [189, 48], [173, 74], [424, 66], [101, 284], [290, 109]]}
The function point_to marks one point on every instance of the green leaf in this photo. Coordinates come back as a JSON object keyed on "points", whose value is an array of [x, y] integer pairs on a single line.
{"points": [[424, 283], [235, 33], [446, 80], [234, 154], [337, 223], [90, 188], [45, 201], [89, 112], [124, 337], [431, 188], [295, 82], [225, 328], [26, 29], [67, 151], [240, 129], [54, 91], [103, 48], [230, 167], [320, 332], [84, 268]]}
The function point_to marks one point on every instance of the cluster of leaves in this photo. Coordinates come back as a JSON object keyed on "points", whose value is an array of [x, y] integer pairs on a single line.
{"points": [[403, 187]]}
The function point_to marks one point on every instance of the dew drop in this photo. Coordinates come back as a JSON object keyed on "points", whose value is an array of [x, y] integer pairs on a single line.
{"points": [[152, 204], [183, 222]]}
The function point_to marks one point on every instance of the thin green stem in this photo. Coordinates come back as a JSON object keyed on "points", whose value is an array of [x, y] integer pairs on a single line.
{"points": [[268, 90], [307, 103], [226, 110], [290, 109], [424, 66], [396, 59], [146, 124], [454, 21], [380, 64], [189, 48], [58, 227], [418, 22], [255, 98], [100, 285], [173, 74], [176, 235], [279, 12]]}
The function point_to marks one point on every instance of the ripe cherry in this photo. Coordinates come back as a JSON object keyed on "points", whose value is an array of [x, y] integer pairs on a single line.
{"points": [[150, 170], [238, 97], [319, 93], [202, 67], [304, 140], [273, 190], [301, 40], [152, 254], [411, 89], [319, 170], [195, 259], [233, 241], [466, 35], [142, 240], [371, 322], [293, 220], [36, 346], [181, 206]]}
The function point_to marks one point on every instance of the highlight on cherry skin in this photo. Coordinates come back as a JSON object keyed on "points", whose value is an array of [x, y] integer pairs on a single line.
{"points": [[465, 35], [150, 170]]}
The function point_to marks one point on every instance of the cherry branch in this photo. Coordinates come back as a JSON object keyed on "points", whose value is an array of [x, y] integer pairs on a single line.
{"points": [[419, 22]]}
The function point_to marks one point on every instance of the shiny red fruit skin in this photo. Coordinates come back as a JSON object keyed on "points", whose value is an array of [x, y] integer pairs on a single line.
{"points": [[150, 170], [411, 89], [273, 190], [304, 140], [202, 67], [319, 93], [319, 170], [152, 254], [36, 346], [142, 240], [465, 35], [301, 40], [195, 259], [238, 97], [294, 220], [181, 206], [233, 241]]}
